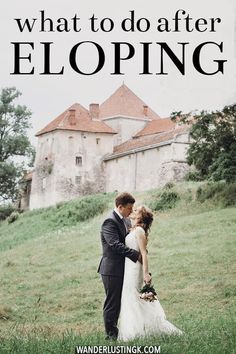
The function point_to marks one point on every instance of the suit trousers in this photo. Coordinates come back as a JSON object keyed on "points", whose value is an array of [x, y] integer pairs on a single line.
{"points": [[111, 309]]}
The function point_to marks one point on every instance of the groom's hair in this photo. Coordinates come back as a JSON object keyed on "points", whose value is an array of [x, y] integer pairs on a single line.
{"points": [[124, 199]]}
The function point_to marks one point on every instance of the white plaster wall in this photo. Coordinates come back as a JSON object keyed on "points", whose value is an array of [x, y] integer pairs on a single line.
{"points": [[138, 172], [43, 193], [149, 166], [180, 147], [125, 127], [84, 145], [61, 148], [120, 174], [148, 169], [179, 151]]}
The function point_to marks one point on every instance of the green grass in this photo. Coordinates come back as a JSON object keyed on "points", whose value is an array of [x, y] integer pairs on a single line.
{"points": [[51, 295]]}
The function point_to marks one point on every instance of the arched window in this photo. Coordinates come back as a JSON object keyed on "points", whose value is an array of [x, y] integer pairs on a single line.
{"points": [[78, 160]]}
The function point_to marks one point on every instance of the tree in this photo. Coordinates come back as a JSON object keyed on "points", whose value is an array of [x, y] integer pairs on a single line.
{"points": [[213, 147], [14, 143]]}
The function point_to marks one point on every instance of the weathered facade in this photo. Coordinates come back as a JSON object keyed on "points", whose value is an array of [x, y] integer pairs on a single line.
{"points": [[144, 167], [120, 145]]}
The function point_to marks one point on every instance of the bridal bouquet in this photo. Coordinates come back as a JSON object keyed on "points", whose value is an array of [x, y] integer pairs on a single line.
{"points": [[148, 293]]}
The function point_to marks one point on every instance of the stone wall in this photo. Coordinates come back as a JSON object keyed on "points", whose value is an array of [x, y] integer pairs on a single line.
{"points": [[150, 168], [125, 127], [68, 164]]}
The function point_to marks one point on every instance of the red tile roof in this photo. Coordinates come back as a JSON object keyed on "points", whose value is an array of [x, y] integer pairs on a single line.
{"points": [[124, 102], [156, 126], [77, 118], [145, 141]]}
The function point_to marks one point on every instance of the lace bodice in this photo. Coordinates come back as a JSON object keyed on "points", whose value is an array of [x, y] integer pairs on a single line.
{"points": [[131, 240]]}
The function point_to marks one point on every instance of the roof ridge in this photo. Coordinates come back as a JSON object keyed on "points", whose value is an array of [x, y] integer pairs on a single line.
{"points": [[131, 144], [126, 102], [82, 122]]}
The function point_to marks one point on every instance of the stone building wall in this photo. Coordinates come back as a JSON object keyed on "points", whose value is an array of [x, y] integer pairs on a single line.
{"points": [[68, 164], [125, 127], [150, 168]]}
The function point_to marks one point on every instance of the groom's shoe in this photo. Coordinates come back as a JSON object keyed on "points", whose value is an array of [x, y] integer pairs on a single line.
{"points": [[113, 338]]}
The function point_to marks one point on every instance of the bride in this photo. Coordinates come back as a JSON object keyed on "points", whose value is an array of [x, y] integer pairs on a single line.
{"points": [[140, 318]]}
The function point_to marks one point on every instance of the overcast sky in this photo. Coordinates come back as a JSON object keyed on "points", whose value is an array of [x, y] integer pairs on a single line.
{"points": [[48, 96]]}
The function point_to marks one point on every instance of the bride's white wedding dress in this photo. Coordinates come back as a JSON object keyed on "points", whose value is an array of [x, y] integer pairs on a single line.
{"points": [[139, 318]]}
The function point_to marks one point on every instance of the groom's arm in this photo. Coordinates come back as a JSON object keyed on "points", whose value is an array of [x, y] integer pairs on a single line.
{"points": [[111, 235]]}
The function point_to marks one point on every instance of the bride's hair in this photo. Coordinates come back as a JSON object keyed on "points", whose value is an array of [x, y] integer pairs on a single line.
{"points": [[144, 218]]}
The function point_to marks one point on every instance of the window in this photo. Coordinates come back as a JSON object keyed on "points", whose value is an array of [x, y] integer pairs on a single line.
{"points": [[98, 141], [78, 179], [78, 160]]}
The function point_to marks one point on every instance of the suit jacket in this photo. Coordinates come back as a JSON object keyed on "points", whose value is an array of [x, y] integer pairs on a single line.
{"points": [[113, 234]]}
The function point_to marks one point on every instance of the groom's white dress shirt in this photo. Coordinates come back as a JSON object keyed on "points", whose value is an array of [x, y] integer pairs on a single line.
{"points": [[121, 217]]}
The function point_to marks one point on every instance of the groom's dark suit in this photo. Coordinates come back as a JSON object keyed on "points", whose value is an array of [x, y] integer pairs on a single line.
{"points": [[111, 268]]}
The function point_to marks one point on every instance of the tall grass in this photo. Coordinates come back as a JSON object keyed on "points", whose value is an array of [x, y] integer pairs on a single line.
{"points": [[36, 223]]}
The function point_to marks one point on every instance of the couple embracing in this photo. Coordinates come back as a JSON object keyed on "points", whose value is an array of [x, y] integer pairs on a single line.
{"points": [[124, 270]]}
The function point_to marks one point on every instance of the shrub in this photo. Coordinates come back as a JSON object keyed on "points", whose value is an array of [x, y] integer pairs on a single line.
{"points": [[167, 200], [5, 211], [13, 217], [228, 195], [193, 176], [200, 195], [169, 185], [220, 192], [79, 210], [208, 191]]}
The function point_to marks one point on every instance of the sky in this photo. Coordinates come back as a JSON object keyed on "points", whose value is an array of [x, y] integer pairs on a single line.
{"points": [[49, 95]]}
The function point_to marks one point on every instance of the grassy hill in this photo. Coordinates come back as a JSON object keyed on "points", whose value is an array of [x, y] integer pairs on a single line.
{"points": [[51, 295]]}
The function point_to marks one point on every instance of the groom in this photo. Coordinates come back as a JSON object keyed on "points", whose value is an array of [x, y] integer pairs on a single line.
{"points": [[113, 232]]}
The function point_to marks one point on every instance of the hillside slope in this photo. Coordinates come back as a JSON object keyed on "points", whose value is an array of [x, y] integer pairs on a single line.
{"points": [[49, 283]]}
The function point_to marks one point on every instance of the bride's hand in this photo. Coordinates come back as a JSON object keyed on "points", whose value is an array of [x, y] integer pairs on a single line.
{"points": [[147, 278]]}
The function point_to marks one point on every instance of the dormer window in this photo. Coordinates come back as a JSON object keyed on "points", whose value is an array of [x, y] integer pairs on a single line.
{"points": [[78, 160]]}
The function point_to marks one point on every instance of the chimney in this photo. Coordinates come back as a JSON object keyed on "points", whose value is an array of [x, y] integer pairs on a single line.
{"points": [[71, 118], [94, 111], [145, 110]]}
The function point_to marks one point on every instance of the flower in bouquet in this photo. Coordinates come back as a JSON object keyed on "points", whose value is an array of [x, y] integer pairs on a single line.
{"points": [[148, 293]]}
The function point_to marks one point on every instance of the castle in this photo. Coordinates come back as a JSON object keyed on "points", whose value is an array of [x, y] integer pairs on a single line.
{"points": [[120, 145]]}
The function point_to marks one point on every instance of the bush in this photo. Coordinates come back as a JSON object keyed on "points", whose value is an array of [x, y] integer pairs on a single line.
{"points": [[167, 200], [13, 217], [169, 185], [208, 191], [193, 176], [220, 192], [224, 167], [65, 214], [228, 195], [5, 211]]}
